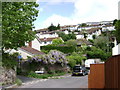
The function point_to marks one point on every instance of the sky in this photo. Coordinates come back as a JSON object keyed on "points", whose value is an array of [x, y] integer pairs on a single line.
{"points": [[72, 12]]}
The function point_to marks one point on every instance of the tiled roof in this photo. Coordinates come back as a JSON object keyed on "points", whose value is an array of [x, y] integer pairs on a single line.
{"points": [[48, 39], [41, 30], [32, 50], [92, 30]]}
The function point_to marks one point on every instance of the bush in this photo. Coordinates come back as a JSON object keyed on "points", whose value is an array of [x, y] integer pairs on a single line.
{"points": [[75, 58], [64, 49], [98, 53], [71, 63], [9, 60], [18, 82]]}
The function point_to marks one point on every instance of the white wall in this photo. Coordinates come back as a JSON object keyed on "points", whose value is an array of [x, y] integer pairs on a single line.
{"points": [[116, 50], [47, 35], [36, 44], [22, 52], [79, 36]]}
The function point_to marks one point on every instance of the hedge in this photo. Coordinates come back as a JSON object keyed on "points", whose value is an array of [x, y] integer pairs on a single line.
{"points": [[64, 49]]}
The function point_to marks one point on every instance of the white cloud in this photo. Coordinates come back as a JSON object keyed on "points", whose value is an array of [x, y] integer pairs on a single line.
{"points": [[55, 19], [85, 11], [95, 10]]}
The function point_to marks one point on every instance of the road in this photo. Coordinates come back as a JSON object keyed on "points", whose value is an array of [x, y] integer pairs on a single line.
{"points": [[65, 82]]}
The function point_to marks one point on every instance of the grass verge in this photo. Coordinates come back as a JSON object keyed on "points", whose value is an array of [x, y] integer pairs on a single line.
{"points": [[44, 76]]}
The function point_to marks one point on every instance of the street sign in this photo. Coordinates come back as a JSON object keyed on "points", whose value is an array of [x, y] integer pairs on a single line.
{"points": [[19, 57]]}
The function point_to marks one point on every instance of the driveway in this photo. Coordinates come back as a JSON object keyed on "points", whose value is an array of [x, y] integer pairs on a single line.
{"points": [[63, 82]]}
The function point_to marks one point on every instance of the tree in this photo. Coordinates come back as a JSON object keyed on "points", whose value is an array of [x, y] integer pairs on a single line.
{"points": [[57, 41], [17, 23], [117, 32], [114, 22], [85, 35], [71, 43], [101, 42], [75, 58], [83, 25], [52, 27], [58, 27], [97, 53], [94, 36], [66, 37]]}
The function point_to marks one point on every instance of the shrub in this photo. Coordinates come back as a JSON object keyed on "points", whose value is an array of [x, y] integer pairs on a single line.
{"points": [[9, 60], [98, 53], [75, 58], [64, 49], [18, 82]]}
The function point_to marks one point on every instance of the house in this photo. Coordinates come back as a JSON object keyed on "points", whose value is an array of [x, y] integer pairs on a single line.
{"points": [[89, 33], [38, 42], [80, 35], [69, 27], [116, 50], [26, 52], [93, 31], [47, 34], [108, 27]]}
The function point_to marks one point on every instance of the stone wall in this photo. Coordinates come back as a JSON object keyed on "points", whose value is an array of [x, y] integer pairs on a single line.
{"points": [[8, 76]]}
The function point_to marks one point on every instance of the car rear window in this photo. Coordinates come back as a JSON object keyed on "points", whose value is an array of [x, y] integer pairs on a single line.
{"points": [[77, 68]]}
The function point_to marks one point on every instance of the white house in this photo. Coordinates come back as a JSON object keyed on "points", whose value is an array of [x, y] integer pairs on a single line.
{"points": [[116, 50], [47, 35], [80, 35], [38, 42], [108, 27], [93, 31]]}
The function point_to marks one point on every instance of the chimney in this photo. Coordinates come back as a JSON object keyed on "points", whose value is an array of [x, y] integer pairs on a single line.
{"points": [[30, 44]]}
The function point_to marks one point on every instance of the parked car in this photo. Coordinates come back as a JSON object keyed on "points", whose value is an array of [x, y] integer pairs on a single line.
{"points": [[79, 70]]}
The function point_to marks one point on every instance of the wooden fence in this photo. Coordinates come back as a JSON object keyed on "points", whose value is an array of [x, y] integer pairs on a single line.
{"points": [[96, 76], [112, 72]]}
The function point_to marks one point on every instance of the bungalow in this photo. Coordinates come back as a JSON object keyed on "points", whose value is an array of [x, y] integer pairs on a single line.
{"points": [[26, 51]]}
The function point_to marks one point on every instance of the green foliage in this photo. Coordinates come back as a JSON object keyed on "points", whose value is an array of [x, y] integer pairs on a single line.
{"points": [[83, 25], [92, 41], [75, 58], [64, 49], [9, 60], [101, 42], [57, 41], [44, 76], [71, 43], [94, 36], [117, 32], [94, 52], [66, 37], [53, 28], [85, 35], [18, 82], [17, 23], [114, 22], [72, 62]]}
